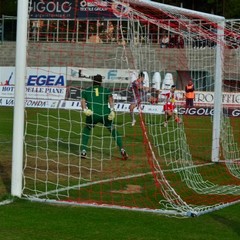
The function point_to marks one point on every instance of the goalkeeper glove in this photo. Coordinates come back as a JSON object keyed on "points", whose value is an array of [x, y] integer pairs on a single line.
{"points": [[111, 115], [88, 112]]}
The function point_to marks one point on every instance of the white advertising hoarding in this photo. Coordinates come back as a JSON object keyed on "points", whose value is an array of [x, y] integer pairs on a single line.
{"points": [[50, 83], [34, 103], [41, 83], [109, 75]]}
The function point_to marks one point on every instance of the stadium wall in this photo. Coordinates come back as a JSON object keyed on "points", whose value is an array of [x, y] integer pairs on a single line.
{"points": [[170, 59]]}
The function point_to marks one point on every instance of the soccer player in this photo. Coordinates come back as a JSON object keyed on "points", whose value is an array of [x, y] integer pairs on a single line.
{"points": [[139, 94], [94, 102], [169, 107]]}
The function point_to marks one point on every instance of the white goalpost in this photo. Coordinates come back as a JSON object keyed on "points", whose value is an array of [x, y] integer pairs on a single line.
{"points": [[218, 93], [185, 168], [18, 127]]}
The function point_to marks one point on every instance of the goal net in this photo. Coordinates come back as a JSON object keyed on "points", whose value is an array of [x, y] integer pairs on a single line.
{"points": [[189, 166]]}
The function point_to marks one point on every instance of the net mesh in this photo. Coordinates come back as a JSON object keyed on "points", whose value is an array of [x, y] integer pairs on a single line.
{"points": [[169, 169]]}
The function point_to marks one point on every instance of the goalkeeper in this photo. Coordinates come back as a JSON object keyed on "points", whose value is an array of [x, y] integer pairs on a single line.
{"points": [[95, 103]]}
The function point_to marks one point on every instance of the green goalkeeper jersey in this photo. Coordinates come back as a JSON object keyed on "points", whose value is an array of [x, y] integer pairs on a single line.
{"points": [[97, 99]]}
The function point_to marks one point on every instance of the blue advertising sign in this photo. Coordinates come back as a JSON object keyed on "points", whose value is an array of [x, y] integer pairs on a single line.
{"points": [[63, 9], [81, 9], [90, 9], [45, 80]]}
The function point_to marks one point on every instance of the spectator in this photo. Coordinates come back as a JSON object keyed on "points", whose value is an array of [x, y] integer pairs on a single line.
{"points": [[178, 41], [189, 94], [110, 32], [164, 41]]}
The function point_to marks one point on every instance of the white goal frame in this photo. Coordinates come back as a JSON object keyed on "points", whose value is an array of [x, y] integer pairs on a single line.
{"points": [[21, 49], [19, 97]]}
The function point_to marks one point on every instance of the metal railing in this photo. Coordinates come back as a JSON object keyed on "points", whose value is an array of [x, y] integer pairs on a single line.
{"points": [[71, 30], [100, 31], [8, 26]]}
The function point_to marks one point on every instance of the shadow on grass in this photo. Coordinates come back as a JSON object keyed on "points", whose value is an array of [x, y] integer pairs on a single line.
{"points": [[6, 178], [229, 223]]}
